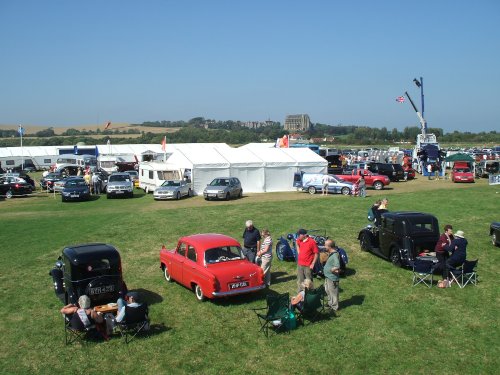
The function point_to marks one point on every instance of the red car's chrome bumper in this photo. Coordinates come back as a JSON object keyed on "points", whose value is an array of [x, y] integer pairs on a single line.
{"points": [[238, 291]]}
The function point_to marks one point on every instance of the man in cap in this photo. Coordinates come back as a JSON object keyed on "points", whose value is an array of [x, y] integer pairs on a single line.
{"points": [[308, 251], [251, 241]]}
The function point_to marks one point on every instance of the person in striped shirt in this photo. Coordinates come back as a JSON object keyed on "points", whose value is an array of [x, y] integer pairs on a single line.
{"points": [[265, 253]]}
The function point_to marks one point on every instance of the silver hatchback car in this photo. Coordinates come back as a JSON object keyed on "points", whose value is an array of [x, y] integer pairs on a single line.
{"points": [[223, 188]]}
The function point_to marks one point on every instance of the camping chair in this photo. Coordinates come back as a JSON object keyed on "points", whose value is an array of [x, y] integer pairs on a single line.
{"points": [[423, 272], [136, 320], [72, 334], [465, 274], [276, 315], [313, 305]]}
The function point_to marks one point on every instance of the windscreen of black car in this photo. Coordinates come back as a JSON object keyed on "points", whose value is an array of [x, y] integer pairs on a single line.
{"points": [[75, 183], [423, 225], [96, 268], [222, 254]]}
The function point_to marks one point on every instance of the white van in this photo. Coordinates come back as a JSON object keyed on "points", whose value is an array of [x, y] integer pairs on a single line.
{"points": [[153, 174]]}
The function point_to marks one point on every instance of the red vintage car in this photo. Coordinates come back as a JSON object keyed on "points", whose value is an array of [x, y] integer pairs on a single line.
{"points": [[212, 265]]}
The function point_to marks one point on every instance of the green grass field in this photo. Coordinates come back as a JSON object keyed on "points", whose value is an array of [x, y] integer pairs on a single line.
{"points": [[386, 325]]}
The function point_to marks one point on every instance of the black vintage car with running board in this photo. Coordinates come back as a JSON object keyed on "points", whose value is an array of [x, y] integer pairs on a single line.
{"points": [[401, 236], [92, 269]]}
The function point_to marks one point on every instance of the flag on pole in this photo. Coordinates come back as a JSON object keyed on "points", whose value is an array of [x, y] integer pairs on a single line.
{"points": [[108, 124], [400, 99], [164, 144], [20, 130]]}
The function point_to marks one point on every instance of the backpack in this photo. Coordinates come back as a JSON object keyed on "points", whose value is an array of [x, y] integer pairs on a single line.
{"points": [[342, 258], [371, 214]]}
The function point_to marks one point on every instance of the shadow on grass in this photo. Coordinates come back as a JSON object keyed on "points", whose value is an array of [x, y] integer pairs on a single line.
{"points": [[354, 300], [243, 299], [148, 296], [349, 272], [281, 277]]}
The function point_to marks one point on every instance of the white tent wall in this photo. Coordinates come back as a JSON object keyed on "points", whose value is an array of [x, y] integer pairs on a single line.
{"points": [[279, 169], [307, 160], [247, 167], [205, 163]]}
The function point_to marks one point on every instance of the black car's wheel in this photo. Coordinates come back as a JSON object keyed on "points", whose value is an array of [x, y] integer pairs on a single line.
{"points": [[365, 242], [396, 257], [206, 198], [166, 274], [377, 185], [345, 191], [9, 194], [240, 194], [311, 190], [228, 196], [178, 195], [190, 193], [198, 292]]}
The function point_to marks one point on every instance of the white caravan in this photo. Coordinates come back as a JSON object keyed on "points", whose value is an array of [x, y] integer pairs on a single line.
{"points": [[153, 174]]}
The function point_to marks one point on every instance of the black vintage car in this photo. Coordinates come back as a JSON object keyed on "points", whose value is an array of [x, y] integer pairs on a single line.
{"points": [[495, 233], [92, 269], [401, 236]]}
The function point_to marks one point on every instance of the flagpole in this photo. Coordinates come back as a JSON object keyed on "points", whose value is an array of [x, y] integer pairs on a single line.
{"points": [[21, 130], [164, 149]]}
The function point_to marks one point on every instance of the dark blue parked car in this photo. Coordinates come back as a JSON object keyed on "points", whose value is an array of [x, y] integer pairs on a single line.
{"points": [[75, 188]]}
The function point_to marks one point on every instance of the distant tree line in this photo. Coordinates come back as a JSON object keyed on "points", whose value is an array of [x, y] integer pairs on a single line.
{"points": [[201, 130], [49, 132]]}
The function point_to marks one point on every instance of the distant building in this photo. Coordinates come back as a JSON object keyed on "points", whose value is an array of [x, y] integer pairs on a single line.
{"points": [[300, 123], [257, 124]]}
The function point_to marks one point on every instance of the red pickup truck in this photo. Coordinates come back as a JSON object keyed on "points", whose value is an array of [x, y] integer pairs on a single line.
{"points": [[377, 181]]}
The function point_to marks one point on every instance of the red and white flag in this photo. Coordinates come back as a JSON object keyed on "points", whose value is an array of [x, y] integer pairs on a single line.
{"points": [[108, 124], [164, 143], [400, 99]]}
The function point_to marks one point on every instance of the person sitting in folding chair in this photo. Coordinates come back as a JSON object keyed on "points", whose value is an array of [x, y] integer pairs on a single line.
{"points": [[132, 314], [458, 250], [298, 301], [82, 316], [131, 300]]}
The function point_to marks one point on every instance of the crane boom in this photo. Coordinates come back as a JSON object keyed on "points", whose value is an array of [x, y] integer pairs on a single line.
{"points": [[423, 123]]}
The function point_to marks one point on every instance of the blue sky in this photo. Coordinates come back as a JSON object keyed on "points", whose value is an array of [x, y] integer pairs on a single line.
{"points": [[70, 63]]}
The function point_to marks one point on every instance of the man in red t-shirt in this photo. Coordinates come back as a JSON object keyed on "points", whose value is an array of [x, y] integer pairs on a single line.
{"points": [[308, 255]]}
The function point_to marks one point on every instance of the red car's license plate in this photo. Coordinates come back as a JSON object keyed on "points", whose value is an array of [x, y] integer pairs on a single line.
{"points": [[239, 284]]}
